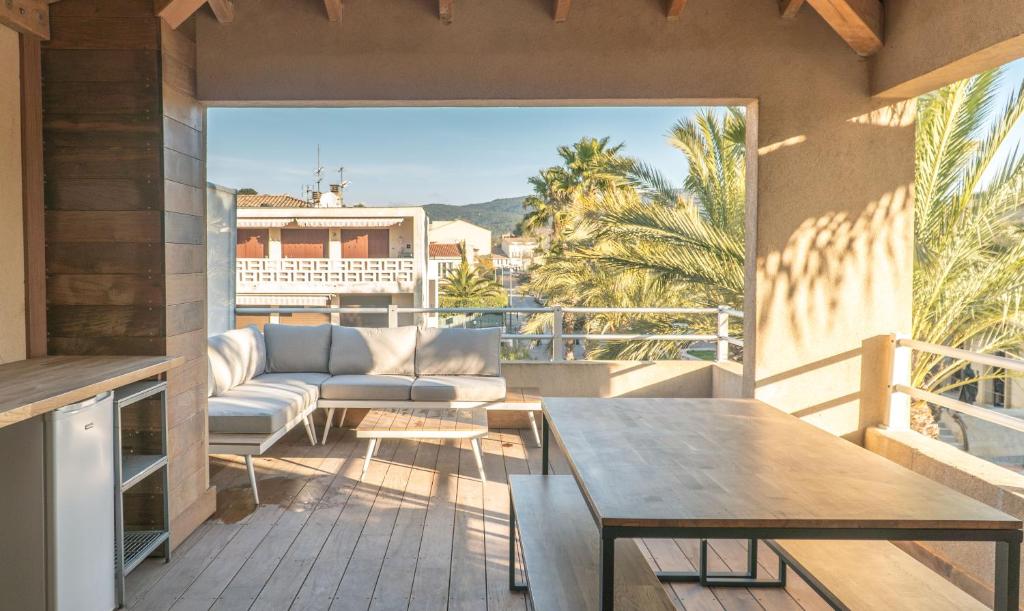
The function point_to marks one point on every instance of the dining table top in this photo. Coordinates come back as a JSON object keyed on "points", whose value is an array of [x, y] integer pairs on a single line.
{"points": [[740, 463]]}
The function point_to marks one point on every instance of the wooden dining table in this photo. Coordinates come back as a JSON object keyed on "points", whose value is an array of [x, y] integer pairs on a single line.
{"points": [[741, 469]]}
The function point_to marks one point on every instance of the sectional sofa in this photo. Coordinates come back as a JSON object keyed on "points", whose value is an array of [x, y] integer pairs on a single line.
{"points": [[261, 385]]}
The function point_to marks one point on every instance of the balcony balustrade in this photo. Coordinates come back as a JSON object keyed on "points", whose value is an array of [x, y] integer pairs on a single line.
{"points": [[389, 275]]}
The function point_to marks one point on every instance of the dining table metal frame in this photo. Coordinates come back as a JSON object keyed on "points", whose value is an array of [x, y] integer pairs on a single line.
{"points": [[1007, 552]]}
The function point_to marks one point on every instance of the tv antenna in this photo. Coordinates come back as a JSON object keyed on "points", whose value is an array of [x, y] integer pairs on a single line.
{"points": [[318, 173]]}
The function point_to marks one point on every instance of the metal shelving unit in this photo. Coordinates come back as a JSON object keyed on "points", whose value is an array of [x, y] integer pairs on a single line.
{"points": [[133, 545]]}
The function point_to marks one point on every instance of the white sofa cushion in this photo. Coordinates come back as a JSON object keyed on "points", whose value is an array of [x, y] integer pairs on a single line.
{"points": [[234, 357], [458, 388], [297, 348], [255, 409], [306, 384], [458, 352], [367, 388], [358, 350]]}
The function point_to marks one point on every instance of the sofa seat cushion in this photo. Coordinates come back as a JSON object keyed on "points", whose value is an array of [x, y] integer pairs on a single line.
{"points": [[308, 384], [255, 409], [367, 388], [458, 388]]}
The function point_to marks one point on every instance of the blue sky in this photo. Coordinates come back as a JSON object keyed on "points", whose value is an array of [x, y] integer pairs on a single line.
{"points": [[435, 155]]}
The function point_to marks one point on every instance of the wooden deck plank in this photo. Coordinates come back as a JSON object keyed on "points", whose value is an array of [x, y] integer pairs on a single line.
{"points": [[357, 584], [467, 589], [395, 579], [433, 562], [496, 524]]}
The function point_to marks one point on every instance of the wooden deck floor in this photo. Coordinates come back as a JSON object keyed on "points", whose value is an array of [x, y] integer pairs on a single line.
{"points": [[421, 532]]}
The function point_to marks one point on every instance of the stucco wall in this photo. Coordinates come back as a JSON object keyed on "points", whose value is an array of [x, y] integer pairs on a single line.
{"points": [[830, 174], [12, 252], [612, 378]]}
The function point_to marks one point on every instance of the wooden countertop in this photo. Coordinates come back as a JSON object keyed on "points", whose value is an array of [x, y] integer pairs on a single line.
{"points": [[33, 387]]}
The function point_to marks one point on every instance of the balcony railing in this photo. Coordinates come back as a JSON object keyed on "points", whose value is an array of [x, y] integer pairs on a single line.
{"points": [[903, 391], [557, 336], [324, 275]]}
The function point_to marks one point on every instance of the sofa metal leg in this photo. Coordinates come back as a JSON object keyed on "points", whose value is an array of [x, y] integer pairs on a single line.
{"points": [[307, 422], [475, 442], [252, 478], [327, 424], [369, 456]]}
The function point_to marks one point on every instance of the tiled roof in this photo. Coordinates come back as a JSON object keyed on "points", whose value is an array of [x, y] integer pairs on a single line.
{"points": [[439, 250], [271, 201]]}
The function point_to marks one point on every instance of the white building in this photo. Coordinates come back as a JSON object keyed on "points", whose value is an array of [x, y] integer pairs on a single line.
{"points": [[519, 252], [293, 254], [476, 238]]}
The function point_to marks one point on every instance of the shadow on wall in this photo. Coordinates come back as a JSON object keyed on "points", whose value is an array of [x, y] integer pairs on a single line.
{"points": [[842, 270]]}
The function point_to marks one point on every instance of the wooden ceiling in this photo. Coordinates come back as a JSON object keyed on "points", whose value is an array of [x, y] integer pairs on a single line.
{"points": [[858, 22]]}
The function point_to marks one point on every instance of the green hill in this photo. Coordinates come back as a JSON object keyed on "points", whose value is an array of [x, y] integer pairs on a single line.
{"points": [[498, 215]]}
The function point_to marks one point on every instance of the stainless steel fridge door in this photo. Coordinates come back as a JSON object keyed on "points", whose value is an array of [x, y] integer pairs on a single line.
{"points": [[80, 482]]}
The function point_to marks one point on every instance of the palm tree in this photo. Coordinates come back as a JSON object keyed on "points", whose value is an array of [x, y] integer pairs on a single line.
{"points": [[588, 167], [469, 286], [969, 252]]}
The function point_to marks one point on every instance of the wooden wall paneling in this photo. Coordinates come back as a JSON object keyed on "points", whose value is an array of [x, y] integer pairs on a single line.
{"points": [[125, 212], [33, 195]]}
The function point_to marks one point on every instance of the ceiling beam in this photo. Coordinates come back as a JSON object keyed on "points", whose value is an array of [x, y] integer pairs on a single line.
{"points": [[223, 10], [444, 11], [333, 8], [562, 10], [30, 17], [176, 12], [789, 8], [858, 22], [674, 9]]}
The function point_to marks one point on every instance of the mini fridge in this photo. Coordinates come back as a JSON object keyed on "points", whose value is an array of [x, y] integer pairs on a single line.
{"points": [[79, 442]]}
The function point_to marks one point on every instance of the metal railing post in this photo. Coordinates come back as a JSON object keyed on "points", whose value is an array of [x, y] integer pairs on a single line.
{"points": [[722, 352], [392, 316], [557, 343], [899, 402]]}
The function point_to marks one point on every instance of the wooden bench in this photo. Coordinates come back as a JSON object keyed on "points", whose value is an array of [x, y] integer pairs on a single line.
{"points": [[560, 547], [871, 575], [423, 423]]}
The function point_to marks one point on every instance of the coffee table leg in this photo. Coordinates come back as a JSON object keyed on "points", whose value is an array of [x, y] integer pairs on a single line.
{"points": [[607, 573], [369, 456], [544, 446], [1007, 583], [475, 442]]}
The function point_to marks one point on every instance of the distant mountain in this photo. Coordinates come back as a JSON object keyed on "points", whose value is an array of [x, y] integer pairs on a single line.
{"points": [[498, 215]]}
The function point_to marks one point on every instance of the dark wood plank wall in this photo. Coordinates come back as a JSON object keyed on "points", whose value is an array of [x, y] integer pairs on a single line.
{"points": [[184, 146], [125, 252]]}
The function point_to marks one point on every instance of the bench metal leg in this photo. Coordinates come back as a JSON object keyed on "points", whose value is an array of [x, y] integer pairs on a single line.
{"points": [[533, 425], [706, 578], [512, 583], [475, 442], [252, 478], [607, 560], [308, 423], [1007, 578], [327, 424], [545, 442], [369, 456]]}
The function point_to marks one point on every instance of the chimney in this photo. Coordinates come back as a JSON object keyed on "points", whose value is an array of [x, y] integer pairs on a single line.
{"points": [[337, 190], [316, 198]]}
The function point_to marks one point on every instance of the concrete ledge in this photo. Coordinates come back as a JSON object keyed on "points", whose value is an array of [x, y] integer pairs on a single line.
{"points": [[969, 565]]}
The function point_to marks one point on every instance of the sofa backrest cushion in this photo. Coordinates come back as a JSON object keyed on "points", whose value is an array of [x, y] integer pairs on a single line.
{"points": [[235, 357], [458, 352], [297, 348], [363, 350]]}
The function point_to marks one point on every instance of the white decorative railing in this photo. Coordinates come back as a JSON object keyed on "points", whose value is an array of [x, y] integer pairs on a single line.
{"points": [[557, 337], [313, 275], [902, 389]]}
